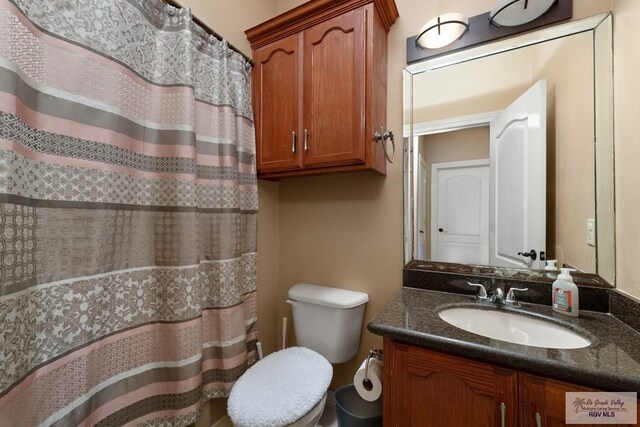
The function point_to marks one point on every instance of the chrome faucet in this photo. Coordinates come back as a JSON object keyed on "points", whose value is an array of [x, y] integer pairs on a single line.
{"points": [[510, 299], [498, 295], [482, 292]]}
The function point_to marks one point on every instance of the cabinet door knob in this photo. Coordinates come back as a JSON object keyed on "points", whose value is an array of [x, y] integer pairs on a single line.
{"points": [[503, 414], [306, 140], [538, 420]]}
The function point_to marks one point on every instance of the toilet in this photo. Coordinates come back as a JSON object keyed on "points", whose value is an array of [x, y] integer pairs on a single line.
{"points": [[289, 387]]}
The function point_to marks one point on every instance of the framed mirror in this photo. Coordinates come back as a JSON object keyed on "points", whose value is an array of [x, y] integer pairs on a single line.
{"points": [[508, 160]]}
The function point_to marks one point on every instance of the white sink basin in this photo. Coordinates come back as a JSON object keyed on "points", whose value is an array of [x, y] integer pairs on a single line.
{"points": [[513, 328]]}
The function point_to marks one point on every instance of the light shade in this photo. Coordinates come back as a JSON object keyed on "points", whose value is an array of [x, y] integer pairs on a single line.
{"points": [[442, 30], [511, 13]]}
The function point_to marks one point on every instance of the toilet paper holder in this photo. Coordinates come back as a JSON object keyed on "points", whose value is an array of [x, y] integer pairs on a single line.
{"points": [[377, 354]]}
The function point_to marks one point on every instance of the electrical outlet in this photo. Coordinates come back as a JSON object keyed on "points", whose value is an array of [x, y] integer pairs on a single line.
{"points": [[591, 232]]}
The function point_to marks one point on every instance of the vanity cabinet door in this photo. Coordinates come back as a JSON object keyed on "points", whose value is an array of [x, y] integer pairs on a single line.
{"points": [[542, 402], [277, 92], [334, 91], [430, 389]]}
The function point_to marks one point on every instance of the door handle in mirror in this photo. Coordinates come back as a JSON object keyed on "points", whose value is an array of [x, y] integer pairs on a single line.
{"points": [[531, 254]]}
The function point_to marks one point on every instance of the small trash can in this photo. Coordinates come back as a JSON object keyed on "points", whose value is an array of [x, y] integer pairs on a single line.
{"points": [[353, 411]]}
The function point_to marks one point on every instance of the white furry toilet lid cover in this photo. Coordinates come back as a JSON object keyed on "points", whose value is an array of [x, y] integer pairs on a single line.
{"points": [[279, 389]]}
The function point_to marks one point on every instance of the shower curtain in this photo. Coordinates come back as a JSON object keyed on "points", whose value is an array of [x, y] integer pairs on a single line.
{"points": [[128, 207]]}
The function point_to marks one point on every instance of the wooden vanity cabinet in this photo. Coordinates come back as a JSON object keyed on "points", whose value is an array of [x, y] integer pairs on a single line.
{"points": [[544, 399], [431, 389], [426, 388], [319, 87]]}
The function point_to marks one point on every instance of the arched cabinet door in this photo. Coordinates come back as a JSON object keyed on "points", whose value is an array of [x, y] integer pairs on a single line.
{"points": [[277, 99], [424, 388], [335, 55]]}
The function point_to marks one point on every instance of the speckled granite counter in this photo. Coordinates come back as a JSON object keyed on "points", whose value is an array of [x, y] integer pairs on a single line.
{"points": [[611, 362]]}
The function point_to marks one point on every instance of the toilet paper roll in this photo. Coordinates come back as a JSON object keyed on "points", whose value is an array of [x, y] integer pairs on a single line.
{"points": [[369, 391]]}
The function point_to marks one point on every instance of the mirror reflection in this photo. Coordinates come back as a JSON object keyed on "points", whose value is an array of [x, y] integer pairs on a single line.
{"points": [[510, 156]]}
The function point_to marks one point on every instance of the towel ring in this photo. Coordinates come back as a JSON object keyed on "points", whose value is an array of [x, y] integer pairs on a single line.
{"points": [[382, 137]]}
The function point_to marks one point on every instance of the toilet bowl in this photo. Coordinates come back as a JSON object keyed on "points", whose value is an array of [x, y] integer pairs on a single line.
{"points": [[289, 387]]}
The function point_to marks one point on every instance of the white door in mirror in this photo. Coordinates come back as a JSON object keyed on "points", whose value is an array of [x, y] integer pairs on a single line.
{"points": [[460, 212], [517, 175]]}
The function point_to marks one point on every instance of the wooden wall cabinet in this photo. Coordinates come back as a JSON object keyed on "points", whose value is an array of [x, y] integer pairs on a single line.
{"points": [[319, 87], [424, 388]]}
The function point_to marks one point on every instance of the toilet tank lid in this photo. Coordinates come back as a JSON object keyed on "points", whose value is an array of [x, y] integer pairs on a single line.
{"points": [[326, 296]]}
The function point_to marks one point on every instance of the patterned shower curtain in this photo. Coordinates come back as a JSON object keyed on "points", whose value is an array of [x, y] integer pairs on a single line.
{"points": [[128, 207]]}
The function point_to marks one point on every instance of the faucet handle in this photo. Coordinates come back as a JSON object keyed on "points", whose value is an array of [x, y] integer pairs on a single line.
{"points": [[511, 298], [482, 291]]}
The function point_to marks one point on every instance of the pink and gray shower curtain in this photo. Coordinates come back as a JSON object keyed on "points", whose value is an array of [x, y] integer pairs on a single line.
{"points": [[128, 207]]}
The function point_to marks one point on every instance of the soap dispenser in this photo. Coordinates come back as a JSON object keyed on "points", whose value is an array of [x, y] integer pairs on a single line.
{"points": [[565, 294], [551, 268]]}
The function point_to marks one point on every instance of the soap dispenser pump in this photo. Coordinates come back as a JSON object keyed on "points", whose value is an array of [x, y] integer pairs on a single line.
{"points": [[551, 265], [565, 294]]}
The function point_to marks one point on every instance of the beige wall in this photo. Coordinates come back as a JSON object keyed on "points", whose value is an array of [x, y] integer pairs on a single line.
{"points": [[231, 18], [627, 133], [285, 5], [479, 86], [570, 152]]}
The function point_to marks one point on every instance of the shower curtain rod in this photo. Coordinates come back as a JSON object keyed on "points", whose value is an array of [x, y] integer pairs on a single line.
{"points": [[209, 30]]}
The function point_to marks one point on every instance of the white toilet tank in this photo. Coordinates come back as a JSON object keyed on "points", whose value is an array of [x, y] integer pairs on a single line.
{"points": [[328, 320]]}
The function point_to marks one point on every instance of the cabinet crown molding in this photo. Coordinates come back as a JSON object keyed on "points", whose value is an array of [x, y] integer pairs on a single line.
{"points": [[311, 13]]}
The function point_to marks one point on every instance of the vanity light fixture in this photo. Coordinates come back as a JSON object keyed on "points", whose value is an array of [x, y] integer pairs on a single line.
{"points": [[442, 30], [511, 13], [454, 32]]}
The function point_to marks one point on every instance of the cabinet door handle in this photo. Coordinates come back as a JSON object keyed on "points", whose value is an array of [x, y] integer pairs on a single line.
{"points": [[293, 142], [503, 414], [538, 420], [306, 140]]}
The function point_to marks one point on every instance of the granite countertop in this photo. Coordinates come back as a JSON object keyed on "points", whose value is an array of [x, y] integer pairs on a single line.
{"points": [[611, 362]]}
